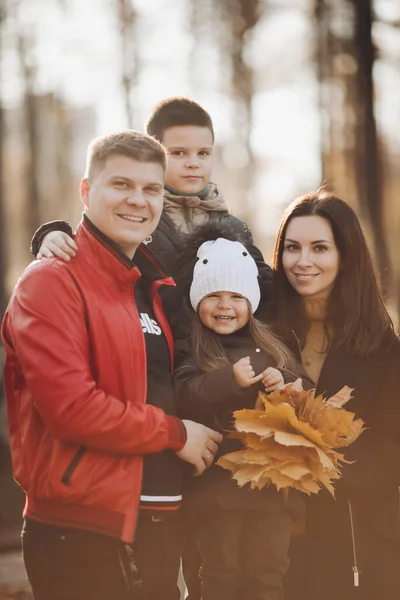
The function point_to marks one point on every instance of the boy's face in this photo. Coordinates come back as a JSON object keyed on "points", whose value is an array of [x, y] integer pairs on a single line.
{"points": [[189, 157]]}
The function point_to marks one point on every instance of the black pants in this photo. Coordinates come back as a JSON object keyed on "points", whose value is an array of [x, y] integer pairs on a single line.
{"points": [[67, 564], [157, 552], [244, 554], [75, 565], [191, 563]]}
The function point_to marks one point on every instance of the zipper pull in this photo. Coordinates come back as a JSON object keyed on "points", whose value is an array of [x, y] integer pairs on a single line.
{"points": [[356, 577]]}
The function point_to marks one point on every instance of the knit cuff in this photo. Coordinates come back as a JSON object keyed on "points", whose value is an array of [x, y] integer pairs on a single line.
{"points": [[43, 230], [177, 434]]}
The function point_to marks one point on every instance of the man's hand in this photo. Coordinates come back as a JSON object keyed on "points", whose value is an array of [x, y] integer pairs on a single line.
{"points": [[244, 374], [272, 379], [201, 446], [57, 243]]}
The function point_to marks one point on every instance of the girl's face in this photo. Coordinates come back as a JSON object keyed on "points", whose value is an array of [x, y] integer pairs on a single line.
{"points": [[310, 256], [224, 312]]}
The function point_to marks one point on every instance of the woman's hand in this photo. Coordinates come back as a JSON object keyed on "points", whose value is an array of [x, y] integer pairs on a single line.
{"points": [[59, 244], [244, 374], [272, 379]]}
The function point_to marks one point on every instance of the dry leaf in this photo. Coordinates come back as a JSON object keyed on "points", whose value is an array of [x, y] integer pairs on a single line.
{"points": [[289, 440]]}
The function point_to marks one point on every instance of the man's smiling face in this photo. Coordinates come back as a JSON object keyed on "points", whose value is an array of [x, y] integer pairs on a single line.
{"points": [[124, 200]]}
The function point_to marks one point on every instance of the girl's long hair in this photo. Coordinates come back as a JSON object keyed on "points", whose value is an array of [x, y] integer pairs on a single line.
{"points": [[209, 353], [356, 313]]}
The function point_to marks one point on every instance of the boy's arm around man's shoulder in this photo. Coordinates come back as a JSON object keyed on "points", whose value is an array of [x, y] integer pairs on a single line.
{"points": [[46, 337], [44, 229]]}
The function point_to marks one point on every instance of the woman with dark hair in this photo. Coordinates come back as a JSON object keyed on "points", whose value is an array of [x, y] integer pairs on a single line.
{"points": [[333, 316]]}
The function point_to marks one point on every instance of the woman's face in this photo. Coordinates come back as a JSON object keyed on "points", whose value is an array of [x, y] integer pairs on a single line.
{"points": [[310, 257]]}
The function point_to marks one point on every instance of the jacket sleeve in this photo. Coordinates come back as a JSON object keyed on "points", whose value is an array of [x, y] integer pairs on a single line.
{"points": [[43, 230], [201, 396], [46, 337]]}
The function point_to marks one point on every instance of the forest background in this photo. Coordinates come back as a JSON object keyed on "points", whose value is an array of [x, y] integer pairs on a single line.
{"points": [[301, 92]]}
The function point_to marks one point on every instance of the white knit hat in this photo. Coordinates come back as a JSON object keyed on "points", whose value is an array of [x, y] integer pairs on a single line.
{"points": [[225, 266]]}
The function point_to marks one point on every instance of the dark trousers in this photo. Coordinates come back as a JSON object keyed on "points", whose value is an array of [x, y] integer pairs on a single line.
{"points": [[191, 563], [244, 554], [75, 565], [157, 552], [68, 564]]}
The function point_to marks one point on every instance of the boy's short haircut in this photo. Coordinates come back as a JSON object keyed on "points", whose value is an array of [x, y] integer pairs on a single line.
{"points": [[133, 144], [177, 111]]}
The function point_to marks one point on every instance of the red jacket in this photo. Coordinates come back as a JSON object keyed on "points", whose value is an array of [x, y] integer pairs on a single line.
{"points": [[75, 377]]}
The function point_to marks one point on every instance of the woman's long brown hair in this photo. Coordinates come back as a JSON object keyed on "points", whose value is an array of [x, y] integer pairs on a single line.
{"points": [[209, 353], [356, 312]]}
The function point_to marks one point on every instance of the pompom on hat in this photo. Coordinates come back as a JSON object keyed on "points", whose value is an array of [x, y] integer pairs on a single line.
{"points": [[224, 266]]}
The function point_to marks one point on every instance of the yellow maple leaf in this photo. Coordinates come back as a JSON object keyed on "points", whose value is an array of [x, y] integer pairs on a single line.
{"points": [[289, 440]]}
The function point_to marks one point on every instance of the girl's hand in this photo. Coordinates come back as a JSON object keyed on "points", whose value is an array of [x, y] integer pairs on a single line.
{"points": [[57, 243], [244, 374], [272, 379]]}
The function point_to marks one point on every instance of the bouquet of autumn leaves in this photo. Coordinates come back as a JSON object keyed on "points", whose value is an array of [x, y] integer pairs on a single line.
{"points": [[290, 440]]}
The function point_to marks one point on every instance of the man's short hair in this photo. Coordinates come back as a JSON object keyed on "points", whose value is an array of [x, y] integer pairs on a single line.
{"points": [[178, 111], [130, 143]]}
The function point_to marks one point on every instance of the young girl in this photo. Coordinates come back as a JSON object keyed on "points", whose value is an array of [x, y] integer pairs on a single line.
{"points": [[333, 315], [242, 535]]}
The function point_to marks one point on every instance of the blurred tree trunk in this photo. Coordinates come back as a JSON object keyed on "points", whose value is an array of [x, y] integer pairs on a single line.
{"points": [[201, 17], [127, 20], [242, 17], [227, 26], [350, 155], [324, 56], [3, 292], [230, 26], [337, 68], [369, 172], [30, 124]]}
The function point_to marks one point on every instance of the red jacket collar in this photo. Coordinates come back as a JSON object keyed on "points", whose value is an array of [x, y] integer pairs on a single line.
{"points": [[105, 255]]}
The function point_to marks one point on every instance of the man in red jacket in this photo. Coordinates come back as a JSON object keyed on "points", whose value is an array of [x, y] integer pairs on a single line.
{"points": [[94, 438]]}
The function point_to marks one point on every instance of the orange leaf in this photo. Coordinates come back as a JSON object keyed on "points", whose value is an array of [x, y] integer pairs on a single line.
{"points": [[289, 441]]}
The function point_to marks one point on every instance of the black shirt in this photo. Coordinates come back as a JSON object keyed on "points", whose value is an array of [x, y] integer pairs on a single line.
{"points": [[162, 472]]}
